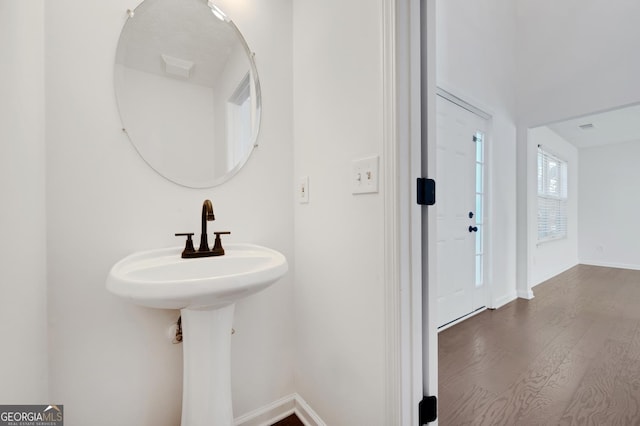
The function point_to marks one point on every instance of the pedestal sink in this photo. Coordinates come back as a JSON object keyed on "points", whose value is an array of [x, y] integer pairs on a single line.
{"points": [[205, 290]]}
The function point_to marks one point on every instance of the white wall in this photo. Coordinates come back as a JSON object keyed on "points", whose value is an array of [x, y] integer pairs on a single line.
{"points": [[609, 205], [23, 363], [104, 202], [476, 61], [553, 257], [574, 58], [339, 286]]}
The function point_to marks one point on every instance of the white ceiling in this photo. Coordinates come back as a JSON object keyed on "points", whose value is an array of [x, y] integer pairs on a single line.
{"points": [[615, 126]]}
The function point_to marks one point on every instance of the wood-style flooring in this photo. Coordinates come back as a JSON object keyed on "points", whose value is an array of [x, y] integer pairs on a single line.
{"points": [[292, 420], [570, 356]]}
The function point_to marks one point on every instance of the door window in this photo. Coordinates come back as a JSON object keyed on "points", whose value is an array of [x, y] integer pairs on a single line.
{"points": [[479, 214]]}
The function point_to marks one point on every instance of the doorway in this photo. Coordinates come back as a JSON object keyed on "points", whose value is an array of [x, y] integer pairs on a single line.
{"points": [[461, 139]]}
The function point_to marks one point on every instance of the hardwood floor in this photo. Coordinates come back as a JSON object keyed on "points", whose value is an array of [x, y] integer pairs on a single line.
{"points": [[292, 420], [570, 356]]}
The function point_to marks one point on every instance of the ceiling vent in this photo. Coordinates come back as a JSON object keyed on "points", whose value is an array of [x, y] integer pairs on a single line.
{"points": [[588, 126], [177, 67]]}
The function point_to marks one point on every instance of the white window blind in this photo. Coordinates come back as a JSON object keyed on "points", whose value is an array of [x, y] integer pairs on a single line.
{"points": [[552, 196]]}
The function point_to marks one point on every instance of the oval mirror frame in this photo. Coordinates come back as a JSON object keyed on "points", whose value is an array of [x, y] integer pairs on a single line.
{"points": [[180, 109]]}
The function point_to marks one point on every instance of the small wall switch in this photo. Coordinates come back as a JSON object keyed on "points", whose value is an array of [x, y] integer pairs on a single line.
{"points": [[303, 190], [364, 175]]}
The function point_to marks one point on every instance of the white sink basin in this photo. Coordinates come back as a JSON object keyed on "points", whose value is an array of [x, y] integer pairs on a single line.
{"points": [[162, 279], [205, 290]]}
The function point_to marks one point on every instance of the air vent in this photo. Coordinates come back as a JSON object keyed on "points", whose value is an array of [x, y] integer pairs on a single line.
{"points": [[177, 67], [588, 126]]}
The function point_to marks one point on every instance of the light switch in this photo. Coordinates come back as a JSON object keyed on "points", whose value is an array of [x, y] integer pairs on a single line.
{"points": [[364, 175], [303, 190]]}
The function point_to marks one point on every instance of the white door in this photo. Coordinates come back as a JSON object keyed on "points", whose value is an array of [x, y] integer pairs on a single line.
{"points": [[460, 178]]}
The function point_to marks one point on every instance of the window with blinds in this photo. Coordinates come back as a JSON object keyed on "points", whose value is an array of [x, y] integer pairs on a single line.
{"points": [[552, 196]]}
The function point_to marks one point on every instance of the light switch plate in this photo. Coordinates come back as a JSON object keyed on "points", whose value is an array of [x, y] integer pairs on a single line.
{"points": [[364, 175]]}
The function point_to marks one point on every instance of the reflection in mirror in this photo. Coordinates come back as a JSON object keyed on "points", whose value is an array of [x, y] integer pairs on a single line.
{"points": [[187, 91]]}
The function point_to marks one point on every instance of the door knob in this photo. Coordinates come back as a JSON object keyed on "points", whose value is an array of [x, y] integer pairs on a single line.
{"points": [[473, 229], [470, 215]]}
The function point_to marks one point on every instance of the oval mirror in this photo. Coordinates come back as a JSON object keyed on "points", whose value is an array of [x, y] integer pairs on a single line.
{"points": [[187, 90]]}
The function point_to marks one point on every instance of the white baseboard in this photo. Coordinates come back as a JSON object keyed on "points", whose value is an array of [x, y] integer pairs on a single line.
{"points": [[280, 409], [610, 264], [525, 294], [503, 300], [306, 414]]}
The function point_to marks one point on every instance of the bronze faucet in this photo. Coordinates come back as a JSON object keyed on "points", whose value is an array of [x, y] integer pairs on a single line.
{"points": [[203, 250], [207, 215]]}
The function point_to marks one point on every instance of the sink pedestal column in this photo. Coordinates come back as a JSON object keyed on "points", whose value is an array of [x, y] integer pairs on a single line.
{"points": [[206, 345]]}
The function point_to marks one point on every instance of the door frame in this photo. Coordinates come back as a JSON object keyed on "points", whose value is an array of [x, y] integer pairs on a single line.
{"points": [[403, 254], [402, 390], [409, 123]]}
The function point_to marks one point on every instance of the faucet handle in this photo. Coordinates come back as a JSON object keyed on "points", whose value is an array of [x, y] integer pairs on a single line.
{"points": [[188, 247], [217, 244]]}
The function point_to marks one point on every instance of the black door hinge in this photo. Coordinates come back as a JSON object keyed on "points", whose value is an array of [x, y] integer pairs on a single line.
{"points": [[428, 409], [426, 192]]}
